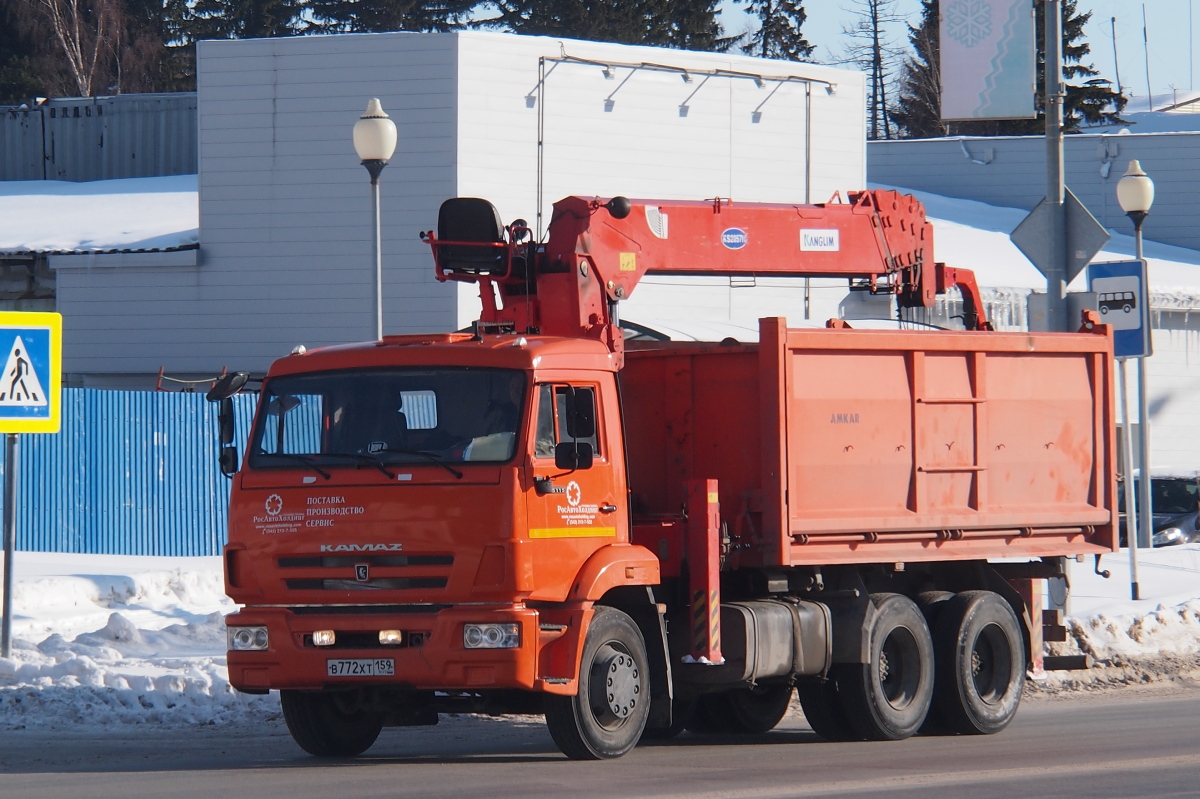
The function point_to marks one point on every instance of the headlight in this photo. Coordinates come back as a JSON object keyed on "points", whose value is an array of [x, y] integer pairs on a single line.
{"points": [[1162, 538], [243, 639], [492, 636], [391, 637], [324, 637]]}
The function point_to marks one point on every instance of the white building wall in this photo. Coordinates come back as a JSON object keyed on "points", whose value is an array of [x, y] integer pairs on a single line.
{"points": [[640, 144], [285, 224]]}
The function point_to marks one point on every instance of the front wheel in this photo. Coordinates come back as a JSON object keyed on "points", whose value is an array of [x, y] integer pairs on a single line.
{"points": [[330, 724], [606, 716], [888, 698], [980, 663]]}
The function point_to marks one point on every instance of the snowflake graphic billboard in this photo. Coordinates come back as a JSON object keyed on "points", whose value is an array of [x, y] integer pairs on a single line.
{"points": [[988, 59]]}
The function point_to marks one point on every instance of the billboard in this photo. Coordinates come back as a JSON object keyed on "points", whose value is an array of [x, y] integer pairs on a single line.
{"points": [[988, 54]]}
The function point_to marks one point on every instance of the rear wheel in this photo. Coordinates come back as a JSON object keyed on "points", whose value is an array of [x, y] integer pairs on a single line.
{"points": [[980, 663], [606, 717], [743, 711], [889, 697], [824, 711], [330, 724], [759, 709]]}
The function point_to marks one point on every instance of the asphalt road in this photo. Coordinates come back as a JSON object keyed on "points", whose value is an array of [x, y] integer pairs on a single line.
{"points": [[1121, 744]]}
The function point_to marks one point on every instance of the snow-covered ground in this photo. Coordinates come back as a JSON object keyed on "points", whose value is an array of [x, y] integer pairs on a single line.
{"points": [[101, 640]]}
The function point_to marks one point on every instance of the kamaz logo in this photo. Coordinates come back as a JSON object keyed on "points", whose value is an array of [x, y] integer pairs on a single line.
{"points": [[362, 547]]}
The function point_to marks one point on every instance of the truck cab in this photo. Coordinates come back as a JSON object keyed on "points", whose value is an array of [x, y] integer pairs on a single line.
{"points": [[441, 507]]}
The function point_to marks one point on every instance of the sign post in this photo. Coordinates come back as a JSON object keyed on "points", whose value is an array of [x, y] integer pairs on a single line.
{"points": [[30, 402], [1124, 302]]}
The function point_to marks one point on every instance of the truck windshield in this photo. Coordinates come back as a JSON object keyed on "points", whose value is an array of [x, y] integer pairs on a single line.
{"points": [[389, 416]]}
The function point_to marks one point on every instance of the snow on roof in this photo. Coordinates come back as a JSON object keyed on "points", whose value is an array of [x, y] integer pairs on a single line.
{"points": [[974, 235], [137, 214]]}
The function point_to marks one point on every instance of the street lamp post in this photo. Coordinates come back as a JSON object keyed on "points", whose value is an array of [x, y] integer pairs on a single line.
{"points": [[1135, 193], [375, 142]]}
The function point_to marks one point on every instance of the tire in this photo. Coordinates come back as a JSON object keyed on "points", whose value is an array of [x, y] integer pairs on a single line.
{"points": [[329, 724], [754, 711], [888, 698], [823, 709], [598, 723], [743, 711], [932, 603], [682, 711], [980, 655]]}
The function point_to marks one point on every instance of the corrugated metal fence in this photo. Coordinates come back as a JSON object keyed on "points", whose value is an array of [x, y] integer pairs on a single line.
{"points": [[100, 138], [131, 473]]}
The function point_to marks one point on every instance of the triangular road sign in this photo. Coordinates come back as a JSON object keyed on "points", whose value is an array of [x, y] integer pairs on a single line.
{"points": [[19, 384]]}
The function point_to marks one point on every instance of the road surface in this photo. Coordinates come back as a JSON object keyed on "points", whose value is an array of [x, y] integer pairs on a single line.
{"points": [[1125, 743]]}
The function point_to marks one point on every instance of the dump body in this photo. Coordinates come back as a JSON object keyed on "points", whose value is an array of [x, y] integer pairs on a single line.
{"points": [[867, 446]]}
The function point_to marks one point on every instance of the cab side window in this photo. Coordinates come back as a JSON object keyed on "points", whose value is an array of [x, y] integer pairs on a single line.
{"points": [[552, 421]]}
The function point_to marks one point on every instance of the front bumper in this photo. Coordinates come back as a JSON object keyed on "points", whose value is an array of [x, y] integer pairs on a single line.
{"points": [[546, 660]]}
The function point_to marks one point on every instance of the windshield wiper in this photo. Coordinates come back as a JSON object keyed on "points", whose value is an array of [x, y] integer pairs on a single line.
{"points": [[370, 460], [305, 459], [430, 456]]}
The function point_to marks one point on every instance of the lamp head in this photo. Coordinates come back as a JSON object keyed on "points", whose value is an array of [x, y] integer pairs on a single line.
{"points": [[374, 134], [1135, 190]]}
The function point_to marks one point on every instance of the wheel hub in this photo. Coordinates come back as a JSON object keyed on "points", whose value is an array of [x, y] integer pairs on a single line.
{"points": [[619, 677]]}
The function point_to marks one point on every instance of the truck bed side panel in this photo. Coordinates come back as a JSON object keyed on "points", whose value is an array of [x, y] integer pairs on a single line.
{"points": [[892, 445]]}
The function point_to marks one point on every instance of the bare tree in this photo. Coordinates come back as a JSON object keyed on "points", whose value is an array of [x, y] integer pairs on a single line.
{"points": [[86, 32], [872, 49]]}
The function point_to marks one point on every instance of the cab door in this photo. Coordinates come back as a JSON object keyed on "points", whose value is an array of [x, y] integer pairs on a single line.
{"points": [[573, 511]]}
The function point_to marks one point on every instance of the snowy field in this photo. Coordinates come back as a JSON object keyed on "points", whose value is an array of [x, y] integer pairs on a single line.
{"points": [[102, 640]]}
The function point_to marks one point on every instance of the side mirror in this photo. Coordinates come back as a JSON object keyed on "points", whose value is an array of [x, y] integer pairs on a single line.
{"points": [[573, 455], [225, 421], [228, 461], [227, 386], [581, 413]]}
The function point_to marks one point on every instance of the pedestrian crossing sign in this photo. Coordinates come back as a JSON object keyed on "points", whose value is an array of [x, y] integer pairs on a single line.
{"points": [[31, 380]]}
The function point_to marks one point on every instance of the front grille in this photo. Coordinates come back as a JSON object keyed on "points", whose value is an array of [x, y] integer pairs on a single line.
{"points": [[374, 584], [366, 572], [365, 610], [350, 561], [368, 639]]}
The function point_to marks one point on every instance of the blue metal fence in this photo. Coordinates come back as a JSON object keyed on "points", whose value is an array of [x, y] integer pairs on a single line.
{"points": [[130, 473]]}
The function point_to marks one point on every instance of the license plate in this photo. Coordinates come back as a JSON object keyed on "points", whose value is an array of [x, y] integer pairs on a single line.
{"points": [[366, 667]]}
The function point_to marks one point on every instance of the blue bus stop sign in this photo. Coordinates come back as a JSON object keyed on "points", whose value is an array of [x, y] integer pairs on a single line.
{"points": [[30, 372], [1123, 299]]}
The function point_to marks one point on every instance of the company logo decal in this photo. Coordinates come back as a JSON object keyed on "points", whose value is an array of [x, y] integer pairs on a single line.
{"points": [[362, 547], [362, 572], [734, 238], [843, 418], [819, 241], [273, 505], [574, 494]]}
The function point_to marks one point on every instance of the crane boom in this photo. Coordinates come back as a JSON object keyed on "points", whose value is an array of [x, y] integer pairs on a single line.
{"points": [[597, 252]]}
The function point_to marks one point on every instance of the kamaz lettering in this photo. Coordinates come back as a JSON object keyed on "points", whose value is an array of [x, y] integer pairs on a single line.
{"points": [[362, 547]]}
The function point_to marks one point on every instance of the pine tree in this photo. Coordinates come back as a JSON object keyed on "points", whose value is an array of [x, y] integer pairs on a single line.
{"points": [[918, 111], [1089, 99], [329, 16], [684, 24], [20, 75], [778, 34]]}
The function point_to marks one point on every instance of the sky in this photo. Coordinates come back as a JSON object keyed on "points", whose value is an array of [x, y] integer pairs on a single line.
{"points": [[1172, 56]]}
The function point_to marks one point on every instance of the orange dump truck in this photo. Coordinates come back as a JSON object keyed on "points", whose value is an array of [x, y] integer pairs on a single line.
{"points": [[638, 538]]}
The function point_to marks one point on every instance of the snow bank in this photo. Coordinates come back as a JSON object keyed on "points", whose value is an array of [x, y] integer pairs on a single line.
{"points": [[103, 640], [136, 643]]}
